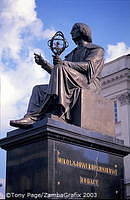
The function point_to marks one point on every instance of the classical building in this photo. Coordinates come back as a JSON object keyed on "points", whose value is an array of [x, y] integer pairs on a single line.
{"points": [[116, 86]]}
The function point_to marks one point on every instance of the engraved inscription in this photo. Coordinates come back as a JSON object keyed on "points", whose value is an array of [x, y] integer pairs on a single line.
{"points": [[87, 166], [89, 181]]}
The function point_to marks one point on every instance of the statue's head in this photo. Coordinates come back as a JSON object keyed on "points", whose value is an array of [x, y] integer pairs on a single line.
{"points": [[81, 31]]}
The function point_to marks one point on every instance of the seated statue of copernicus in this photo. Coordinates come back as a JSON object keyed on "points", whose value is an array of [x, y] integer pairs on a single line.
{"points": [[81, 68]]}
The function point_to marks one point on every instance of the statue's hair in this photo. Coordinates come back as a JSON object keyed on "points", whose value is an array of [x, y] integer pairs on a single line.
{"points": [[85, 31]]}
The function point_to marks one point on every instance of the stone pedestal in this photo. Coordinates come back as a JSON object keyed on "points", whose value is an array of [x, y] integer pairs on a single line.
{"points": [[94, 112], [58, 160]]}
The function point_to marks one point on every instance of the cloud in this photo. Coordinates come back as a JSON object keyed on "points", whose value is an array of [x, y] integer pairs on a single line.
{"points": [[16, 89], [20, 31], [115, 51], [17, 19]]}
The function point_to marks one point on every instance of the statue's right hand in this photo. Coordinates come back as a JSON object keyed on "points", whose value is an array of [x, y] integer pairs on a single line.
{"points": [[39, 60]]}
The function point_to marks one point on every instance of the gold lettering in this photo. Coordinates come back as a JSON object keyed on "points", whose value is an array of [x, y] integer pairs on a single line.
{"points": [[89, 181], [67, 162], [59, 160], [75, 163], [110, 170], [83, 165], [84, 180], [106, 170], [63, 161], [79, 164], [88, 166], [81, 179], [70, 162]]}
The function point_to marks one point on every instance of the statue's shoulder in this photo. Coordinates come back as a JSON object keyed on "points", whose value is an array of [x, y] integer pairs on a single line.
{"points": [[93, 46]]}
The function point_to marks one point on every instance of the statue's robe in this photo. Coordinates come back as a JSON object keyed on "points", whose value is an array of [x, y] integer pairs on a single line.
{"points": [[80, 69]]}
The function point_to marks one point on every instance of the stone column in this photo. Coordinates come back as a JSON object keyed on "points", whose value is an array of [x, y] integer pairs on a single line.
{"points": [[124, 100]]}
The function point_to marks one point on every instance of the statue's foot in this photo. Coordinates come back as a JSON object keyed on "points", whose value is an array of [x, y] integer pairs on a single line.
{"points": [[25, 122]]}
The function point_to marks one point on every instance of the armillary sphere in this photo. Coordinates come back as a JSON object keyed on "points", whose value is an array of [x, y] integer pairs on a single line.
{"points": [[58, 43]]}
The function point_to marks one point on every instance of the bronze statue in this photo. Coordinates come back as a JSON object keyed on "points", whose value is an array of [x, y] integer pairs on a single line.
{"points": [[80, 69]]}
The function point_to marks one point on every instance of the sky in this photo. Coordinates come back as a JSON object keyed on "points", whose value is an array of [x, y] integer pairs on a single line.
{"points": [[25, 28]]}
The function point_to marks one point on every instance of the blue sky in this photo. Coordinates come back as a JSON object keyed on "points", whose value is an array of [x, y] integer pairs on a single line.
{"points": [[109, 19], [26, 26]]}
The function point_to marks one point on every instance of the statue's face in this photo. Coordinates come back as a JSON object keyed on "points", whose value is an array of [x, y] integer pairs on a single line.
{"points": [[75, 32]]}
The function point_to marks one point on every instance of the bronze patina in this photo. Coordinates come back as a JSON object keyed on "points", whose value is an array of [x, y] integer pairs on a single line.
{"points": [[80, 69]]}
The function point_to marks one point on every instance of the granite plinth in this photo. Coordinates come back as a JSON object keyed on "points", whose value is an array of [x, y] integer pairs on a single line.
{"points": [[94, 112], [58, 158]]}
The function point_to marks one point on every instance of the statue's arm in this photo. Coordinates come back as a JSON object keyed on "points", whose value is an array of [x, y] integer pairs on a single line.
{"points": [[91, 63], [44, 64], [94, 56], [47, 66]]}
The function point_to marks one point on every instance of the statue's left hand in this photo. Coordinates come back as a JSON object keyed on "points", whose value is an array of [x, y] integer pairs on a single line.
{"points": [[57, 60]]}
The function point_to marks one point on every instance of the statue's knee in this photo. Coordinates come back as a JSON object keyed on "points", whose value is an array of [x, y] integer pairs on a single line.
{"points": [[35, 88], [39, 88]]}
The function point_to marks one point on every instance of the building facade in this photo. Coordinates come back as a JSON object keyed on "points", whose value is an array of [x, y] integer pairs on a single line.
{"points": [[116, 86]]}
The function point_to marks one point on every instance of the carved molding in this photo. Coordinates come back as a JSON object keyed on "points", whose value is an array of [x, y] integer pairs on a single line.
{"points": [[124, 98], [114, 77]]}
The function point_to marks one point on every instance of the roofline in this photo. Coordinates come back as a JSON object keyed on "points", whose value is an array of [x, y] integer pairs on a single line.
{"points": [[109, 62]]}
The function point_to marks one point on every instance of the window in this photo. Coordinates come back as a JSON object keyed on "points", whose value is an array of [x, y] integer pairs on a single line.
{"points": [[116, 111]]}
